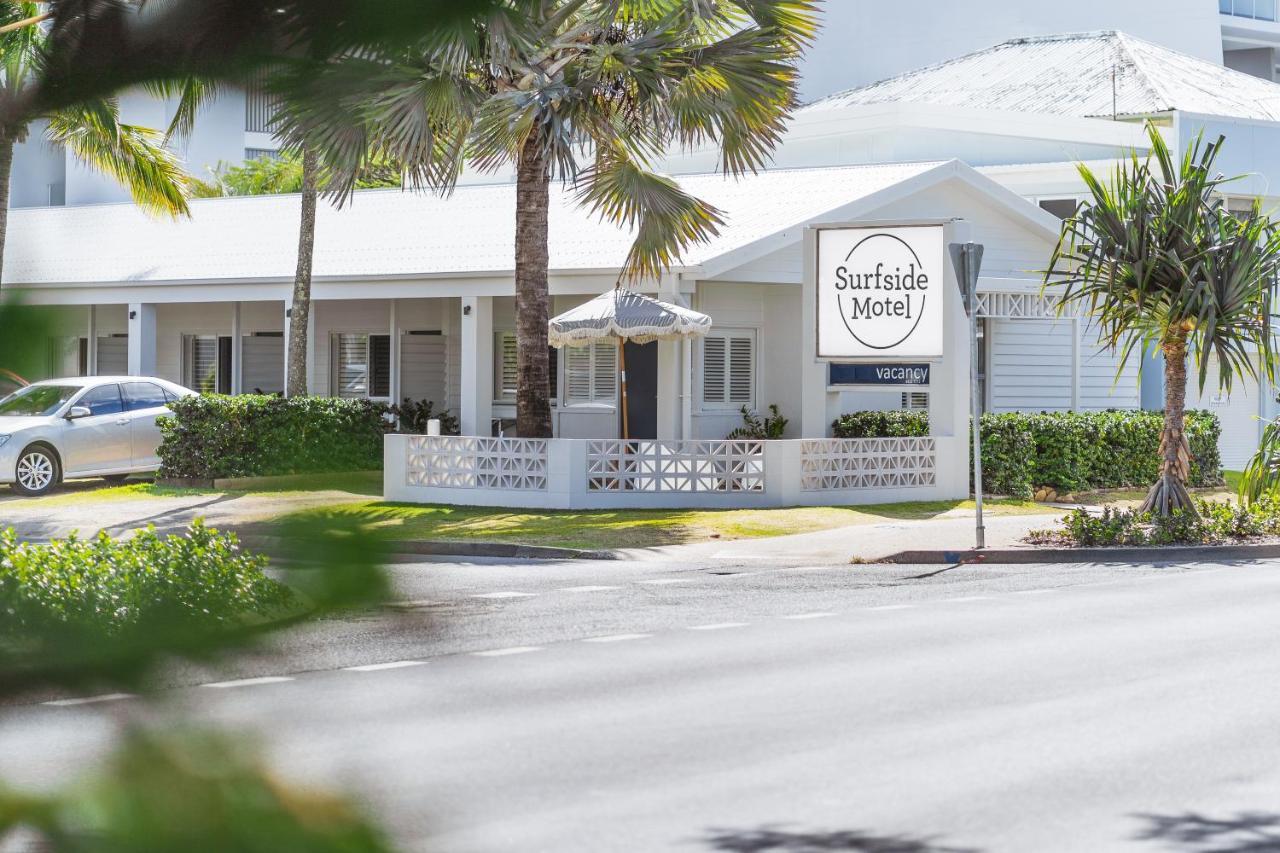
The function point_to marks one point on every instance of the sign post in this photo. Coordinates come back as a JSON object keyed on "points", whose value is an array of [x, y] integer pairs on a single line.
{"points": [[967, 260]]}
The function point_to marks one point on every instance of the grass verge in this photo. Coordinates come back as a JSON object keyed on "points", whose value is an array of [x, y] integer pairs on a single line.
{"points": [[607, 529]]}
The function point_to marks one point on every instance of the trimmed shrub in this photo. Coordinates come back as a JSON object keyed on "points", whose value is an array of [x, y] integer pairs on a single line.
{"points": [[1066, 451], [894, 423], [253, 435], [109, 587]]}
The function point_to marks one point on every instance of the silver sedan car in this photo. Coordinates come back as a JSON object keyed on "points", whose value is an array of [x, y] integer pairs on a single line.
{"points": [[100, 426]]}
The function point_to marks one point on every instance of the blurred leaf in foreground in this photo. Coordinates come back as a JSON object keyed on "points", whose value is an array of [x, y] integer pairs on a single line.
{"points": [[194, 791]]}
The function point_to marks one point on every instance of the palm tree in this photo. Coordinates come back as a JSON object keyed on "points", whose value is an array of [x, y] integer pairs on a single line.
{"points": [[1158, 263], [588, 92], [92, 130]]}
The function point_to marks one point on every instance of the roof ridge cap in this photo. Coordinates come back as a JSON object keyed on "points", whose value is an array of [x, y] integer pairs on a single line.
{"points": [[1124, 45]]}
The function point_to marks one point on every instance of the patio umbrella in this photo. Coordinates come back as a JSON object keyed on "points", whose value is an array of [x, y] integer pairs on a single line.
{"points": [[625, 315]]}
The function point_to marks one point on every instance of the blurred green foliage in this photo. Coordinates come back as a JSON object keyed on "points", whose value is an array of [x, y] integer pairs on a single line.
{"points": [[192, 791]]}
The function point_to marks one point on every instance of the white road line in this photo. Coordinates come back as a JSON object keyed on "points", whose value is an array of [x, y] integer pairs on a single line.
{"points": [[892, 607], [378, 667], [514, 650], [617, 638], [249, 682], [822, 615], [658, 581], [587, 588], [718, 626], [505, 595], [1034, 591], [965, 598], [89, 700]]}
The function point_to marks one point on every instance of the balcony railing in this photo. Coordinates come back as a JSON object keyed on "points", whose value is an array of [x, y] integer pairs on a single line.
{"points": [[1259, 10]]}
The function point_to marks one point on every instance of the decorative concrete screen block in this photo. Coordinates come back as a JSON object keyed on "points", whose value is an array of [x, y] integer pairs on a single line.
{"points": [[837, 464], [1017, 306], [515, 464], [675, 466]]}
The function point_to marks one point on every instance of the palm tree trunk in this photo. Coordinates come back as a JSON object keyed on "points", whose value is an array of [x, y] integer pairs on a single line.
{"points": [[7, 142], [533, 385], [300, 311], [1170, 491]]}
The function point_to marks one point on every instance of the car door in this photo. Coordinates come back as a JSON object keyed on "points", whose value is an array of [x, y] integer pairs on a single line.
{"points": [[103, 440], [144, 402]]}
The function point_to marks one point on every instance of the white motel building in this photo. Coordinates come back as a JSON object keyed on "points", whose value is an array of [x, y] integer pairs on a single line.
{"points": [[414, 293]]}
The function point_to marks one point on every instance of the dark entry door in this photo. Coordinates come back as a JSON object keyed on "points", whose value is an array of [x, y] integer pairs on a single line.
{"points": [[642, 389]]}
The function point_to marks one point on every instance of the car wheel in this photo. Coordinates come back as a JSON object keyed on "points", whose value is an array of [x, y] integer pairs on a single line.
{"points": [[37, 471]]}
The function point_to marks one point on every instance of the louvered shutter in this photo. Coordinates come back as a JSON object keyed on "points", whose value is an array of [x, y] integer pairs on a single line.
{"points": [[380, 366], [506, 374], [604, 382], [713, 370], [202, 363], [577, 375], [741, 370], [915, 400], [351, 365]]}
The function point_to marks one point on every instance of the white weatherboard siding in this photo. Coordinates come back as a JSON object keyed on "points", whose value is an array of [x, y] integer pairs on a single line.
{"points": [[1238, 413], [1030, 364]]}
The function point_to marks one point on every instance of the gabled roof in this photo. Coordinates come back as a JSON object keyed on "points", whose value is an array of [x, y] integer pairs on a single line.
{"points": [[1072, 75], [394, 234]]}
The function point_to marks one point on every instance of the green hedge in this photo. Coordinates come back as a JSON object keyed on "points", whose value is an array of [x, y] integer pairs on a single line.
{"points": [[108, 587], [1067, 451], [213, 436]]}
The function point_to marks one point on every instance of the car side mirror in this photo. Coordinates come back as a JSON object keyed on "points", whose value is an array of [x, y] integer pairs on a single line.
{"points": [[77, 412]]}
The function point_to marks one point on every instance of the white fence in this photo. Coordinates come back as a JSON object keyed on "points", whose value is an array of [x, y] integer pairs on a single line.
{"points": [[602, 474]]}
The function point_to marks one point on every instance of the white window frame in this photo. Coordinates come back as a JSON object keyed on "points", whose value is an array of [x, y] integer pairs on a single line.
{"points": [[335, 354], [728, 404]]}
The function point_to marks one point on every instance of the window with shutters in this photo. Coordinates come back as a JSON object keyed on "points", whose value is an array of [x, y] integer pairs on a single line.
{"points": [[505, 373], [506, 370], [200, 363], [362, 365], [591, 374], [729, 369]]}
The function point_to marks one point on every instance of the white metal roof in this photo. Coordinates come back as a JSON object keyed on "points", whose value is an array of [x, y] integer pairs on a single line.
{"points": [[1072, 75], [389, 233]]}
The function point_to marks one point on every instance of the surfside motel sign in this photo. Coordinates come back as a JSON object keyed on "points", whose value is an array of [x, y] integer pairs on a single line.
{"points": [[880, 298]]}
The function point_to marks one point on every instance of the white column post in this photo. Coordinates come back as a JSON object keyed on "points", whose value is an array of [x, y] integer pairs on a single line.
{"points": [[1075, 364], [311, 349], [686, 389], [813, 373], [142, 339], [284, 378], [237, 351], [91, 366], [669, 375], [949, 386], [476, 411], [395, 354]]}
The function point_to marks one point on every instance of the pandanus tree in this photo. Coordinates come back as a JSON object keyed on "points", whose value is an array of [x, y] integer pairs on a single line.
{"points": [[591, 93], [91, 129], [1156, 261]]}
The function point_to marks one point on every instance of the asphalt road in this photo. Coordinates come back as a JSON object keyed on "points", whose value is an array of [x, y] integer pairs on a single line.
{"points": [[638, 707]]}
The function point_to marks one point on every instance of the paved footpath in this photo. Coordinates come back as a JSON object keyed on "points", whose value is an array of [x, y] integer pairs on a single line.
{"points": [[646, 706]]}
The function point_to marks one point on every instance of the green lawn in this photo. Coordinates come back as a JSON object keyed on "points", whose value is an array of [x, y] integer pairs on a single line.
{"points": [[604, 529], [94, 491]]}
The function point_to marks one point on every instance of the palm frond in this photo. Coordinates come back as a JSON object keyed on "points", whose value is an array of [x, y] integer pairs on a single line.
{"points": [[134, 156], [665, 218]]}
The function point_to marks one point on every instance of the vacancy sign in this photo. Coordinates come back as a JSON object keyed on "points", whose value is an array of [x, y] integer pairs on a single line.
{"points": [[880, 292]]}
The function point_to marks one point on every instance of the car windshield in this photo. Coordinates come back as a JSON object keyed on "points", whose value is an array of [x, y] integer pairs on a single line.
{"points": [[38, 400]]}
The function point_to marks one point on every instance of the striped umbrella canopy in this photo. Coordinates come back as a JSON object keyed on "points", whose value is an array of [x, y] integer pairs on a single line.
{"points": [[627, 316]]}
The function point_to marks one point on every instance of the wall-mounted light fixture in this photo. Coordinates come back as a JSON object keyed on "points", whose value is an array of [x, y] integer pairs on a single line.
{"points": [[133, 315], [466, 310], [288, 312]]}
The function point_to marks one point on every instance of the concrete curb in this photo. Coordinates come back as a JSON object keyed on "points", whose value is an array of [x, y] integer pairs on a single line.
{"points": [[1165, 554], [495, 550]]}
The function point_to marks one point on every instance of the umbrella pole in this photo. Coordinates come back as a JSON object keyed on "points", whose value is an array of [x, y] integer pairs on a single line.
{"points": [[622, 375]]}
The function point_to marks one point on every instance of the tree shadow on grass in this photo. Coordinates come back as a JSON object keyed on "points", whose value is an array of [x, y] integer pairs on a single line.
{"points": [[1191, 832], [773, 839]]}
